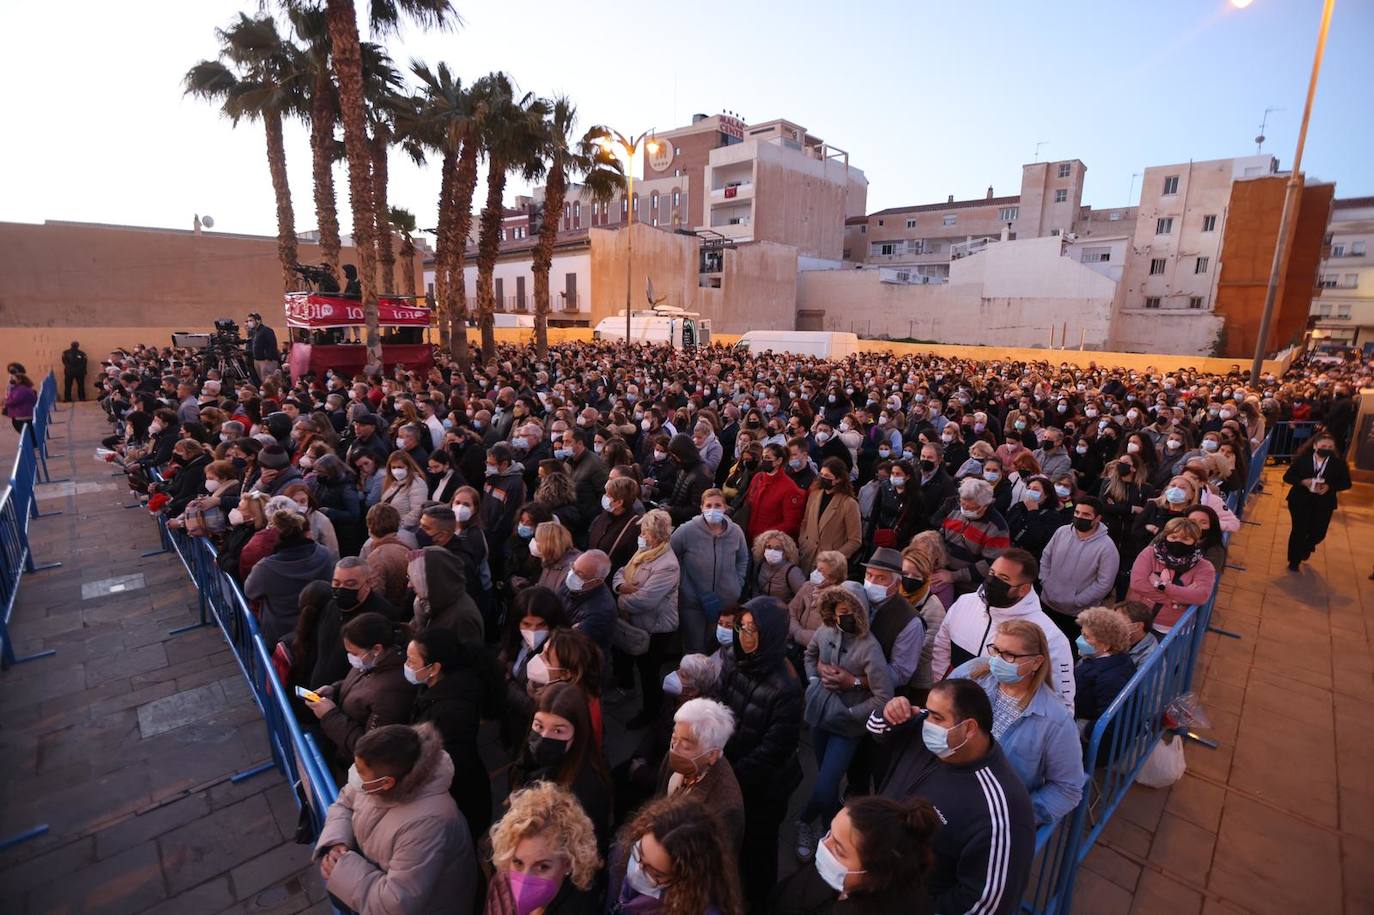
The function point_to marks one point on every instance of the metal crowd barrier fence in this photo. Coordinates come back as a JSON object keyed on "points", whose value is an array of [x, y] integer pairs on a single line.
{"points": [[1288, 436], [18, 506], [294, 751], [1124, 736]]}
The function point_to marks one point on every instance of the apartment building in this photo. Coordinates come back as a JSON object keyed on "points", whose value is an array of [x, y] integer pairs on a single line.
{"points": [[922, 240], [1343, 308]]}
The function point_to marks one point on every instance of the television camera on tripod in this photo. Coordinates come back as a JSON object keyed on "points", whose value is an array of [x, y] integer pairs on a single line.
{"points": [[223, 349]]}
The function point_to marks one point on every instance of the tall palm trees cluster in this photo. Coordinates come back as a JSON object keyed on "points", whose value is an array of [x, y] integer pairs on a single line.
{"points": [[317, 69]]}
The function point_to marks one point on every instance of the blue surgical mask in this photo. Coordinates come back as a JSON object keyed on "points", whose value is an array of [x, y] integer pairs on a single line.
{"points": [[672, 684], [1063, 492], [1034, 495], [1005, 671], [725, 635], [936, 739], [991, 476], [562, 453], [1175, 495], [876, 592], [1085, 648], [525, 531], [713, 515]]}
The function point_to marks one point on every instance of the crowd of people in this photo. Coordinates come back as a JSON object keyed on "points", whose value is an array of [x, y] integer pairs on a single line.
{"points": [[934, 574]]}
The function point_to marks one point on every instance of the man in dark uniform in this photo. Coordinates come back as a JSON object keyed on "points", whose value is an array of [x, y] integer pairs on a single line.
{"points": [[73, 372]]}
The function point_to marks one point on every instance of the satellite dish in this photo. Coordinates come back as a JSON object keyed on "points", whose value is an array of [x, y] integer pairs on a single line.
{"points": [[207, 221]]}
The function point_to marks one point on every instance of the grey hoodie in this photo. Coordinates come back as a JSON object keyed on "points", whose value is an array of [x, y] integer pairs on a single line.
{"points": [[711, 564], [1077, 573]]}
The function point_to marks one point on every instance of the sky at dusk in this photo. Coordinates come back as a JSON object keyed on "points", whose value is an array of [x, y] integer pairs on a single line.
{"points": [[928, 99]]}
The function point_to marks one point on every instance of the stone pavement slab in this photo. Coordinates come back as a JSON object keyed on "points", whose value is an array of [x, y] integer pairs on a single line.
{"points": [[124, 742]]}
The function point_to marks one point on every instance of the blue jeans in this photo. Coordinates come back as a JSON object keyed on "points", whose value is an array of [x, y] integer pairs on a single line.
{"points": [[833, 755]]}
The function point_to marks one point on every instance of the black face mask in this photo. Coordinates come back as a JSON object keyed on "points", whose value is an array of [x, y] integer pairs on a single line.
{"points": [[1178, 548], [546, 751], [824, 484], [1084, 524], [346, 598], [767, 466], [1325, 452], [1124, 468], [998, 592], [911, 584], [847, 623], [423, 539], [927, 466]]}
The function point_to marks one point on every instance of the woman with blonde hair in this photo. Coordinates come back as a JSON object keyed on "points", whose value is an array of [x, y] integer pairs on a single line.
{"points": [[803, 613], [1172, 502], [978, 453], [775, 563], [1029, 722], [552, 545], [920, 560], [557, 491], [646, 593], [1104, 665], [1170, 574], [251, 514], [544, 854], [404, 488]]}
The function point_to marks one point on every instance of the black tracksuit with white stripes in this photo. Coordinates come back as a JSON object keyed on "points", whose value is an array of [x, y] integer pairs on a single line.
{"points": [[984, 850]]}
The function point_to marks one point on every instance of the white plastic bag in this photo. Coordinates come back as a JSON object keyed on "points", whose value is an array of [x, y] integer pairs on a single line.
{"points": [[1166, 764]]}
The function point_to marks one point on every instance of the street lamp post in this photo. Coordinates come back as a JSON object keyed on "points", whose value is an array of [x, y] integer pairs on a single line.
{"points": [[630, 147], [1290, 198]]}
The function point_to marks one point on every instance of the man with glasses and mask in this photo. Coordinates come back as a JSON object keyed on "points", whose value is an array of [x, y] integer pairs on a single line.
{"points": [[1007, 593], [946, 754]]}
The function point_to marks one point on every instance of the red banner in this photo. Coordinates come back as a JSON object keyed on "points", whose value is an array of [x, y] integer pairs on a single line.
{"points": [[311, 310]]}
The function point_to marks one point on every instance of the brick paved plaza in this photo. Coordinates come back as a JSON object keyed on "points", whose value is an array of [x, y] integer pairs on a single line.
{"points": [[125, 741]]}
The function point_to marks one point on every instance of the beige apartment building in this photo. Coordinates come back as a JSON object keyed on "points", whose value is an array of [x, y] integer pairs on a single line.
{"points": [[922, 240], [1343, 309]]}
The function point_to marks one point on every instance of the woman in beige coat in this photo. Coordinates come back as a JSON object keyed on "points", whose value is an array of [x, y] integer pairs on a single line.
{"points": [[404, 489], [831, 518], [394, 841]]}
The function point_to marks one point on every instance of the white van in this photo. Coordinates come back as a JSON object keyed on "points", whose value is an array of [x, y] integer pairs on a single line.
{"points": [[506, 319], [819, 343], [682, 329]]}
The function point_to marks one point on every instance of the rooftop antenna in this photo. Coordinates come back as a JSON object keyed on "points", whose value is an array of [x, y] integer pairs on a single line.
{"points": [[1130, 195], [1037, 148], [1264, 122]]}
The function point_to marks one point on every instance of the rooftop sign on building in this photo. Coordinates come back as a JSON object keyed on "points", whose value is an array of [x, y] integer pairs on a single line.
{"points": [[732, 126]]}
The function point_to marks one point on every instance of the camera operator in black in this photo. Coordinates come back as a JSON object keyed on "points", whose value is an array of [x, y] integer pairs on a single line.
{"points": [[352, 285], [262, 347]]}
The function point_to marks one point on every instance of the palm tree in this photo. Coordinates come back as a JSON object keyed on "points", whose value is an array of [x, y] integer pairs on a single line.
{"points": [[381, 87], [441, 118], [310, 26], [403, 222], [567, 160], [346, 56], [510, 129], [265, 82]]}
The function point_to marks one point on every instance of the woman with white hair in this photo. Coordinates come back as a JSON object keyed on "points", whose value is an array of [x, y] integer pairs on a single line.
{"points": [[696, 765], [974, 534], [646, 592]]}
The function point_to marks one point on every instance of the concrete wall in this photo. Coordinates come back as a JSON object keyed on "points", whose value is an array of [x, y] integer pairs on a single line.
{"points": [[510, 270], [108, 286], [1016, 293], [1191, 333], [758, 280]]}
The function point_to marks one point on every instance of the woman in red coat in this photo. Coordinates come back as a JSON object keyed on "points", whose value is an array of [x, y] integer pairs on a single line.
{"points": [[775, 503]]}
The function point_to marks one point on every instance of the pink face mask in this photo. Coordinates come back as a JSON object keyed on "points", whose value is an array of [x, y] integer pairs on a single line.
{"points": [[531, 892]]}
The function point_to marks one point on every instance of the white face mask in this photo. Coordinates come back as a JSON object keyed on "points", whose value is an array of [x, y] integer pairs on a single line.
{"points": [[534, 638], [637, 879], [534, 548], [772, 557], [358, 662], [829, 867], [399, 473], [817, 577], [575, 582], [606, 503], [642, 543], [236, 516], [463, 513], [211, 485]]}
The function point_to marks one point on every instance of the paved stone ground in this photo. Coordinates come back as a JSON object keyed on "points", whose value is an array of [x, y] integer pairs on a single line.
{"points": [[125, 741], [1279, 818]]}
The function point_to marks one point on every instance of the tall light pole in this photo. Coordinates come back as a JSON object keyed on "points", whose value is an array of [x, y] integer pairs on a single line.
{"points": [[630, 147], [1290, 197]]}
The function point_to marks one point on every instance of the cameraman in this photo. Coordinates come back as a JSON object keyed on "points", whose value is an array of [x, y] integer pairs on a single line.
{"points": [[262, 347]]}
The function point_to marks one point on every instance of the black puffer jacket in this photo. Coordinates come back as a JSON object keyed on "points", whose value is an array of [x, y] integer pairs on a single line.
{"points": [[454, 706], [693, 479], [766, 696], [186, 484]]}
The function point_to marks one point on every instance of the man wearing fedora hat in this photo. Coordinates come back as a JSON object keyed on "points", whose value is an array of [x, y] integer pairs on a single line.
{"points": [[896, 626]]}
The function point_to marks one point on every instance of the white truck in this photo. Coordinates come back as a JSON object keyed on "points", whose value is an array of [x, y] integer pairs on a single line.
{"points": [[664, 324], [506, 319], [820, 343]]}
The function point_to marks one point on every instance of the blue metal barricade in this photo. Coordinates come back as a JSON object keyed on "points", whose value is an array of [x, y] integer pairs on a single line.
{"points": [[1288, 436], [222, 603]]}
